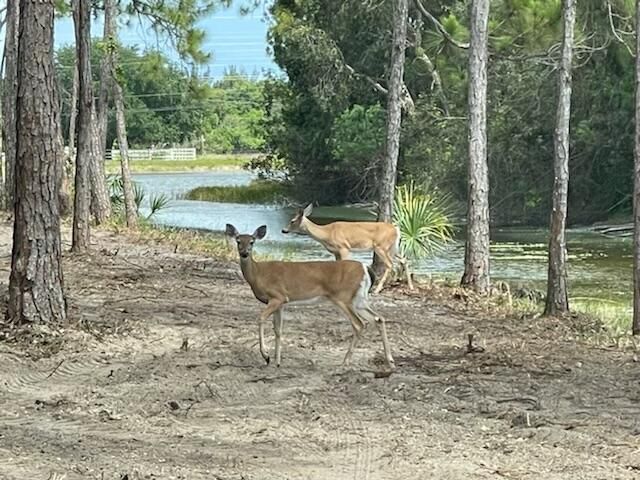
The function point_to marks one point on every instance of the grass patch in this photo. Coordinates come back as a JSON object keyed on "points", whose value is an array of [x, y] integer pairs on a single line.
{"points": [[615, 316], [258, 191], [212, 244], [201, 163]]}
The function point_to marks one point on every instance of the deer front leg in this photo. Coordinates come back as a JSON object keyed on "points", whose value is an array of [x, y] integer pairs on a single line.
{"points": [[277, 329], [388, 266], [272, 307]]}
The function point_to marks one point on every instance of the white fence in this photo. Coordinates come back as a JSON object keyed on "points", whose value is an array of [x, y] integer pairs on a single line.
{"points": [[155, 153]]}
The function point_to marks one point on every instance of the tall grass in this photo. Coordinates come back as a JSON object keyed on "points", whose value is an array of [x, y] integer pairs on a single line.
{"points": [[201, 163], [615, 316], [258, 191], [424, 217]]}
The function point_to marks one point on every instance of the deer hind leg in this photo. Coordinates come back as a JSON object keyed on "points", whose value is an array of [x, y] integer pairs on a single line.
{"points": [[405, 269], [388, 266], [356, 324], [273, 306], [366, 312], [277, 329]]}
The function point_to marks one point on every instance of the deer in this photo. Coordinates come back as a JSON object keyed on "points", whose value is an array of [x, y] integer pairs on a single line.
{"points": [[345, 283], [341, 238]]}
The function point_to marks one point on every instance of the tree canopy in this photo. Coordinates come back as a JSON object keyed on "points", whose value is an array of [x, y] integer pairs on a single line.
{"points": [[336, 56], [165, 104]]}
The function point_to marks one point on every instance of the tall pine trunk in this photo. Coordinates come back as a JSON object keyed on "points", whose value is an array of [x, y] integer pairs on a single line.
{"points": [[476, 255], [36, 293], [9, 98], [130, 211], [394, 118], [557, 296], [394, 110], [73, 115], [81, 212], [636, 190], [108, 37], [121, 126]]}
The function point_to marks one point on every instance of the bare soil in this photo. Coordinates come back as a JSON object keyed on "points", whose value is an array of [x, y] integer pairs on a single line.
{"points": [[158, 376]]}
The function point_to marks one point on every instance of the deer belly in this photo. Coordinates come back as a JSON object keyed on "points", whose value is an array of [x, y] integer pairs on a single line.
{"points": [[306, 301]]}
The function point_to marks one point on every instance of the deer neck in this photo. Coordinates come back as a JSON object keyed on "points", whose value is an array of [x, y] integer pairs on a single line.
{"points": [[249, 269], [318, 232]]}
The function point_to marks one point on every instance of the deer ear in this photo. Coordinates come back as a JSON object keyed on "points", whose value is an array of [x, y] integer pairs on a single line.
{"points": [[231, 231], [307, 211], [260, 232]]}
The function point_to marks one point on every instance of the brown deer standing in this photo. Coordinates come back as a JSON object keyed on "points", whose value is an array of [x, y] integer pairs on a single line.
{"points": [[345, 283], [341, 238]]}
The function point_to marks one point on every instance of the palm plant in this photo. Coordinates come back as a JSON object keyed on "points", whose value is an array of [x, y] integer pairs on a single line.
{"points": [[116, 192], [424, 220]]}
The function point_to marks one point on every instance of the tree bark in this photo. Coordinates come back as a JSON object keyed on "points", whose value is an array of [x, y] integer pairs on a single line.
{"points": [[36, 293], [476, 257], [394, 110], [636, 190], [9, 98], [394, 117], [108, 37], [557, 296], [73, 116], [82, 201], [123, 143], [100, 201]]}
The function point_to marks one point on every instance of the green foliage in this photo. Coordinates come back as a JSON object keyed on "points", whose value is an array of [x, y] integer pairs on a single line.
{"points": [[116, 193], [333, 51], [258, 191], [167, 106], [424, 217]]}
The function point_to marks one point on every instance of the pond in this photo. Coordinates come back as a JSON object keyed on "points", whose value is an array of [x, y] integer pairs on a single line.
{"points": [[600, 267]]}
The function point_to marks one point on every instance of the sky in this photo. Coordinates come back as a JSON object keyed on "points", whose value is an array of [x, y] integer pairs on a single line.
{"points": [[233, 39]]}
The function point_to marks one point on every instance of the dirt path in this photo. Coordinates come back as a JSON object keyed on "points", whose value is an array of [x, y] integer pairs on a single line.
{"points": [[124, 398]]}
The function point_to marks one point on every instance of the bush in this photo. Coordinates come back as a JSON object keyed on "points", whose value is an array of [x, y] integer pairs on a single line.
{"points": [[424, 220]]}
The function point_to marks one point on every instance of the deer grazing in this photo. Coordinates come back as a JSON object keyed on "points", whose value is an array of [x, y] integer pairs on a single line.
{"points": [[345, 283], [341, 238]]}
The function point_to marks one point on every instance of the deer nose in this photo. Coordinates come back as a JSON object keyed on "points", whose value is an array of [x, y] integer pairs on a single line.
{"points": [[284, 230]]}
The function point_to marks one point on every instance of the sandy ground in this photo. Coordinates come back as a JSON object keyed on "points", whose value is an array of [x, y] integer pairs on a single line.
{"points": [[158, 376]]}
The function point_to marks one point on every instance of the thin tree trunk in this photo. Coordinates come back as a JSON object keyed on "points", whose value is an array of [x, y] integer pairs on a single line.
{"points": [[73, 115], [394, 110], [9, 98], [636, 190], [121, 126], [100, 201], [108, 38], [557, 296], [123, 143], [476, 256], [36, 293], [82, 202], [394, 117]]}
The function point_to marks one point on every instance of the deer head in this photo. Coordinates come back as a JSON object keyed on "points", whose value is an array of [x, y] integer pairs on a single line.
{"points": [[245, 241], [295, 225]]}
